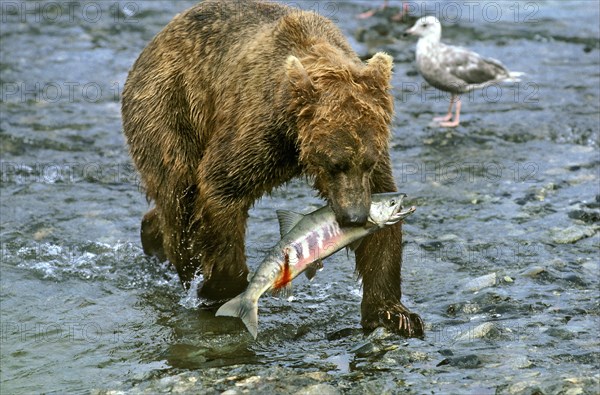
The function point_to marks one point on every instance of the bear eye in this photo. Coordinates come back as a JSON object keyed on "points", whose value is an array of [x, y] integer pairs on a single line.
{"points": [[368, 165], [340, 167]]}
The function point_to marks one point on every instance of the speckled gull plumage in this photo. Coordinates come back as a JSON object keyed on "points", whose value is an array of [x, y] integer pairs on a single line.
{"points": [[453, 69]]}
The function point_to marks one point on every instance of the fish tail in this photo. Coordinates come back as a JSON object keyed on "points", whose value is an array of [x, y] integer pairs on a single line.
{"points": [[244, 308]]}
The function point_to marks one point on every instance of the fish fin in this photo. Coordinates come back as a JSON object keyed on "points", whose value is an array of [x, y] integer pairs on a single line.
{"points": [[283, 292], [244, 308], [312, 269], [287, 220]]}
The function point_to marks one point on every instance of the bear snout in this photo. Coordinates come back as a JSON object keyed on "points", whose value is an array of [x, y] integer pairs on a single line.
{"points": [[353, 218], [356, 215]]}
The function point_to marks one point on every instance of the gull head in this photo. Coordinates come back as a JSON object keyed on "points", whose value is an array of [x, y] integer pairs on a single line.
{"points": [[428, 27]]}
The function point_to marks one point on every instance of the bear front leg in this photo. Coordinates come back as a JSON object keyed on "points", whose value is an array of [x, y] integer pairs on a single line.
{"points": [[152, 236], [379, 261], [218, 241]]}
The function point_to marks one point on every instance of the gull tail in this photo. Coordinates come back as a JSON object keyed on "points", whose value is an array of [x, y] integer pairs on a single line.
{"points": [[244, 308], [514, 76]]}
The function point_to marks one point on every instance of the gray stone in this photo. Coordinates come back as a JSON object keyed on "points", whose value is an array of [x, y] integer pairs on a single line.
{"points": [[572, 234], [318, 389], [476, 284]]}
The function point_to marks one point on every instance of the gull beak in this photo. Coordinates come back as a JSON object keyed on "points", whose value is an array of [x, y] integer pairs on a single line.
{"points": [[408, 32]]}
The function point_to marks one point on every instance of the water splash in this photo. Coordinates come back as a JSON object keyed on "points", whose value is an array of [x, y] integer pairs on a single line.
{"points": [[191, 300]]}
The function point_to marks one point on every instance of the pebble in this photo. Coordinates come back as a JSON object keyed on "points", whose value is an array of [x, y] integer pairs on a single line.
{"points": [[318, 389], [485, 330], [403, 356], [479, 283], [532, 271], [470, 361]]}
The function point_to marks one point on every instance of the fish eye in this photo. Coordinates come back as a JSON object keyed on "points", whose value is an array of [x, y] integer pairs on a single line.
{"points": [[392, 202]]}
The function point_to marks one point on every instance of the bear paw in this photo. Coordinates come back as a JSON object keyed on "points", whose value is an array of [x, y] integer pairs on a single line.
{"points": [[398, 319]]}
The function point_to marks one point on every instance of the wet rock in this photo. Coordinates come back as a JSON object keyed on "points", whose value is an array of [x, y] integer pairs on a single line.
{"points": [[43, 233], [340, 334], [470, 361], [533, 271], [572, 234], [381, 29], [470, 308], [594, 204], [371, 348], [379, 334], [365, 349], [488, 330], [318, 376], [574, 279], [525, 388], [432, 245], [404, 357], [318, 389], [530, 197], [476, 284], [560, 333], [380, 386], [520, 362], [301, 331], [188, 382], [576, 385], [585, 216]]}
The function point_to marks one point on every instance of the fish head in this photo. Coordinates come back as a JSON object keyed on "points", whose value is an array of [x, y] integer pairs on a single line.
{"points": [[426, 27], [387, 209]]}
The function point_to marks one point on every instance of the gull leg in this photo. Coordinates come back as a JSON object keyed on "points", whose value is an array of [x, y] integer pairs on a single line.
{"points": [[453, 124], [403, 12], [372, 11], [448, 116]]}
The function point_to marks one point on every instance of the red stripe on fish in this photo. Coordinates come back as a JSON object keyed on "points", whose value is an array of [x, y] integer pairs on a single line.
{"points": [[285, 276]]}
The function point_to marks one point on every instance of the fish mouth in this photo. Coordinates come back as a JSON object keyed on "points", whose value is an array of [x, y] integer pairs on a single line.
{"points": [[400, 213]]}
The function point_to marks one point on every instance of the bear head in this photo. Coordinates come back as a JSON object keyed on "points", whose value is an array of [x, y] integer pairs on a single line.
{"points": [[343, 110]]}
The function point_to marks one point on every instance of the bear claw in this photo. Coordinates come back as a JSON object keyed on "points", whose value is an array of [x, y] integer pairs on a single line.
{"points": [[398, 319]]}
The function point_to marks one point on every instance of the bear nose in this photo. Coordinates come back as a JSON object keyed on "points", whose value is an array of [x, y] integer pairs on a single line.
{"points": [[353, 219]]}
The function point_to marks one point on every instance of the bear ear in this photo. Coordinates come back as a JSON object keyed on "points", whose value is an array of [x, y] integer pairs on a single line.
{"points": [[379, 68], [298, 76]]}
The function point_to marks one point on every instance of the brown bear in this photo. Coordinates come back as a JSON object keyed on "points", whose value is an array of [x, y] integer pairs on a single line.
{"points": [[232, 99]]}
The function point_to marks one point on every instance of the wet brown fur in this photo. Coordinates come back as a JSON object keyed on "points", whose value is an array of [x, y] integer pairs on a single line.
{"points": [[232, 99]]}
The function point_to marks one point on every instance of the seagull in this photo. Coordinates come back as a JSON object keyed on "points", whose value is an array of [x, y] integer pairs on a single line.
{"points": [[453, 69]]}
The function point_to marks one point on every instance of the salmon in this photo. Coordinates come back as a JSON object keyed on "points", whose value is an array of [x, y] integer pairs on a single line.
{"points": [[306, 239]]}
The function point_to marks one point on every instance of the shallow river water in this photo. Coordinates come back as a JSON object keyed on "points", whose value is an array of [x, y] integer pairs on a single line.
{"points": [[500, 259]]}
